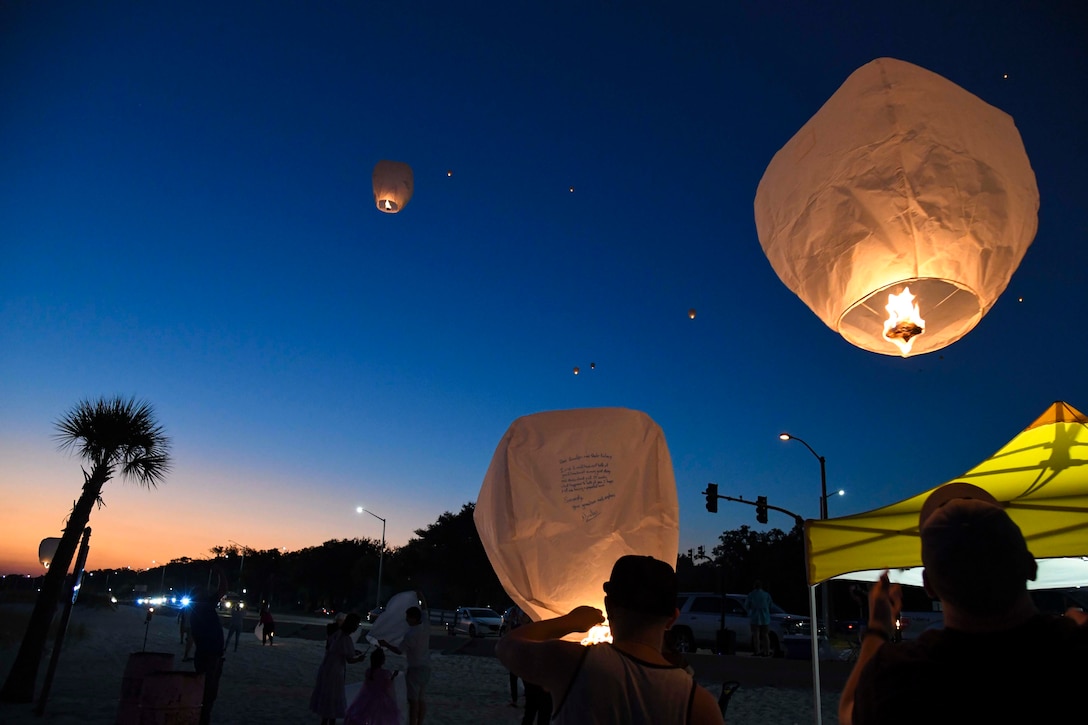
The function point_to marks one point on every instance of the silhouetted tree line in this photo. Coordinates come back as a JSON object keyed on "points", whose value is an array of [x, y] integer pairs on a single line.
{"points": [[447, 562]]}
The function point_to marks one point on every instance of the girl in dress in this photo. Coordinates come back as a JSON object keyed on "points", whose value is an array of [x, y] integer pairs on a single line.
{"points": [[328, 700], [375, 704]]}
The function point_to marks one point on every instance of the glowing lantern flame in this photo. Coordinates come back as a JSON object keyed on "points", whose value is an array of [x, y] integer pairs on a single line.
{"points": [[904, 321], [691, 313], [598, 634], [576, 371]]}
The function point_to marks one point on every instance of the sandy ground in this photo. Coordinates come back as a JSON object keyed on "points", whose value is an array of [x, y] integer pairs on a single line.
{"points": [[271, 685]]}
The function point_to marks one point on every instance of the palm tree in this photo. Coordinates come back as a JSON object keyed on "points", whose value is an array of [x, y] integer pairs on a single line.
{"points": [[111, 435]]}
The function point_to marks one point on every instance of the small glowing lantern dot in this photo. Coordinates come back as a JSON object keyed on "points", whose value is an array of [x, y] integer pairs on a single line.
{"points": [[572, 189], [393, 185], [593, 366], [449, 172], [576, 371], [691, 313]]}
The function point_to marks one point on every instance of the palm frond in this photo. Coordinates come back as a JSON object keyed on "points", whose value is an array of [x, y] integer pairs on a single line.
{"points": [[117, 432]]}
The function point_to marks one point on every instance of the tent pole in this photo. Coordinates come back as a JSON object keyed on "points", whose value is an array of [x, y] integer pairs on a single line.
{"points": [[814, 636]]}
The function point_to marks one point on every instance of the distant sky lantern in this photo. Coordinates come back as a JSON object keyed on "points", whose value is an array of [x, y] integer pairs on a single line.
{"points": [[393, 185], [567, 493], [576, 371], [900, 211], [46, 549], [691, 313]]}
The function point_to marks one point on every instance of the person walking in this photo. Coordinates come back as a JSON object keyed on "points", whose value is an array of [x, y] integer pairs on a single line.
{"points": [[268, 626], [207, 634], [627, 681], [758, 606], [237, 620]]}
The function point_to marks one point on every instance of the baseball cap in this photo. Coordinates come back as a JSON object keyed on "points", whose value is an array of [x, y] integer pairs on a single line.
{"points": [[952, 492], [974, 553], [642, 584]]}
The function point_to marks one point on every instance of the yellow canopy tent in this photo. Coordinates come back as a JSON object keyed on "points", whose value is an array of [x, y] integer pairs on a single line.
{"points": [[1041, 476]]}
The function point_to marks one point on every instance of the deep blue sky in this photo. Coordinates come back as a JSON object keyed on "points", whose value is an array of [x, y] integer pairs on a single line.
{"points": [[186, 217]]}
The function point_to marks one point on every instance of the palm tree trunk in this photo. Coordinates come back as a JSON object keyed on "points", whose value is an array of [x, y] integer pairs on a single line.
{"points": [[19, 686]]}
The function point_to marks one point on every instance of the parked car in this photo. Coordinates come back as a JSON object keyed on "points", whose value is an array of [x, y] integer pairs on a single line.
{"points": [[476, 622], [508, 619], [701, 616]]}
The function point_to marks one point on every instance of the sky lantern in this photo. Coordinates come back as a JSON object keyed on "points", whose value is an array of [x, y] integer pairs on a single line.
{"points": [[47, 549], [393, 185], [567, 493], [691, 313], [900, 211]]}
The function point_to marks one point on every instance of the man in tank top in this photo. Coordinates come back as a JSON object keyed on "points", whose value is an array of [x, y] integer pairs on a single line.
{"points": [[628, 681]]}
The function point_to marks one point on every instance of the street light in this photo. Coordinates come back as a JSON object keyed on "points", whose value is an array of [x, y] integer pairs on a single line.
{"points": [[823, 471], [840, 492], [242, 565], [823, 515], [381, 554]]}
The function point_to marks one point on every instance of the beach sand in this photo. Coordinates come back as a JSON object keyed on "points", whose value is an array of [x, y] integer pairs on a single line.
{"points": [[270, 685]]}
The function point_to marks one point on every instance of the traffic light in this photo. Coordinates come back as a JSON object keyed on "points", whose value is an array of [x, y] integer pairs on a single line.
{"points": [[712, 497], [761, 509]]}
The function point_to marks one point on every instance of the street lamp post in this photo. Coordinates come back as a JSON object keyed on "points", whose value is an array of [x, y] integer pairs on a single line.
{"points": [[241, 565], [823, 515], [381, 554]]}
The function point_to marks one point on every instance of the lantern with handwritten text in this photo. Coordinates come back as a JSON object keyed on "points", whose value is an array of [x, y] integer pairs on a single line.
{"points": [[899, 212], [393, 185], [567, 493]]}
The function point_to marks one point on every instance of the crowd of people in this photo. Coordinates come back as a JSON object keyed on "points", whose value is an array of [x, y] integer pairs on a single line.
{"points": [[996, 658]]}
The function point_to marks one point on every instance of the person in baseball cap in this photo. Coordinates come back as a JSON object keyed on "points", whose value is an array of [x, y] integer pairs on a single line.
{"points": [[642, 584], [629, 680], [975, 558], [993, 639]]}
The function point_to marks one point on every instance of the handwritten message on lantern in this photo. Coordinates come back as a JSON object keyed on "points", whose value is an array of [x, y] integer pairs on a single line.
{"points": [[567, 493], [581, 480]]}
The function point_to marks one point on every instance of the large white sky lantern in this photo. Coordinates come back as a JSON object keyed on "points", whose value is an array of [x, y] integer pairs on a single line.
{"points": [[899, 212], [567, 493], [392, 185]]}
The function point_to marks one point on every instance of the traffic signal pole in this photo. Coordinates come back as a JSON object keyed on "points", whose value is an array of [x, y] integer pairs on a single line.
{"points": [[712, 495]]}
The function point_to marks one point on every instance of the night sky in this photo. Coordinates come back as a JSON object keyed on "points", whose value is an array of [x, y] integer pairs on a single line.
{"points": [[186, 217]]}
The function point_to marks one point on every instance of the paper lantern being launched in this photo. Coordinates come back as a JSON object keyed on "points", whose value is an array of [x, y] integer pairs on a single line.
{"points": [[392, 185], [899, 212], [567, 493]]}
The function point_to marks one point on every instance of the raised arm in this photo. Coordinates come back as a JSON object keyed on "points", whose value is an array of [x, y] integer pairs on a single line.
{"points": [[885, 600], [535, 651]]}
